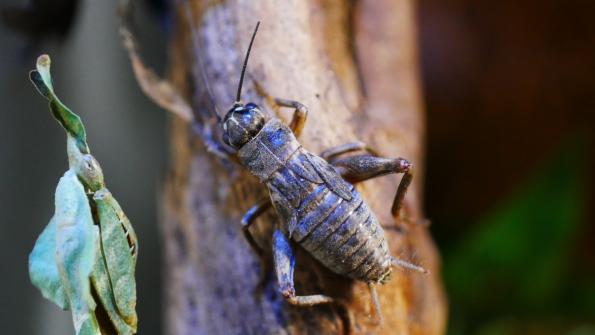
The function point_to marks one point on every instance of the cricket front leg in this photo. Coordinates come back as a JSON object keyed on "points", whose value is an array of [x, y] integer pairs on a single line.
{"points": [[284, 267], [300, 115]]}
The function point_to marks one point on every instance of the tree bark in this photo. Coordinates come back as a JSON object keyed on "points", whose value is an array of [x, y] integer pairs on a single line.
{"points": [[355, 66]]}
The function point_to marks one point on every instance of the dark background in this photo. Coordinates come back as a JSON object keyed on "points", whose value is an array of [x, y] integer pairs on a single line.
{"points": [[509, 96], [510, 100]]}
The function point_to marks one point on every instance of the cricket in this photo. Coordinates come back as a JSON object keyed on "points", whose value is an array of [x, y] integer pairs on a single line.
{"points": [[315, 197]]}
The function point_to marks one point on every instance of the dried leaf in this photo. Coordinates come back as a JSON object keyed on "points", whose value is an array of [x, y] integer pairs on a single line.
{"points": [[157, 89]]}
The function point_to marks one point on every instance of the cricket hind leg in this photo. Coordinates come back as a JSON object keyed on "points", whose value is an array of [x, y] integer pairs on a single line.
{"points": [[331, 153], [284, 260], [361, 167], [300, 114]]}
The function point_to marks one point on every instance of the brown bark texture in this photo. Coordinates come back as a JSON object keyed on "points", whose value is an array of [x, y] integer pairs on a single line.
{"points": [[355, 66]]}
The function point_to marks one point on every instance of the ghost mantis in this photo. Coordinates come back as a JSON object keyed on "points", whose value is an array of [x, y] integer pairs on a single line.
{"points": [[84, 259]]}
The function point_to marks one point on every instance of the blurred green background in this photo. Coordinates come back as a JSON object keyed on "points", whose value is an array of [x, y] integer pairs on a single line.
{"points": [[508, 88], [520, 268]]}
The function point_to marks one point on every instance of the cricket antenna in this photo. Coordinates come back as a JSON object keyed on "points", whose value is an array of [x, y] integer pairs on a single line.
{"points": [[246, 63]]}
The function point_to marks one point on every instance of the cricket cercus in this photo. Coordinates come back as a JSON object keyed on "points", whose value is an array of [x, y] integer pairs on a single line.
{"points": [[314, 196]]}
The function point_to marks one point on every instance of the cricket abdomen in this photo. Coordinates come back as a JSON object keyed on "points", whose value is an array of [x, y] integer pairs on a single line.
{"points": [[344, 235], [340, 231], [320, 211]]}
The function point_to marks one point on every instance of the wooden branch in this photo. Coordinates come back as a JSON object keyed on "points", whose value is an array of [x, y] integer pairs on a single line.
{"points": [[355, 67]]}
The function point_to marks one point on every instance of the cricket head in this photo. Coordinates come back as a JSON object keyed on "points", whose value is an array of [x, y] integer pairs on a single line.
{"points": [[241, 124], [243, 121]]}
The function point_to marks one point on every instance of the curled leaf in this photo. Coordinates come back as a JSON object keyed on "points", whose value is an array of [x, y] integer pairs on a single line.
{"points": [[71, 122], [162, 92]]}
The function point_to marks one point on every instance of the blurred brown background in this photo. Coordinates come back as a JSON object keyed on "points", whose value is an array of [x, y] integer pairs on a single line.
{"points": [[506, 83], [509, 96]]}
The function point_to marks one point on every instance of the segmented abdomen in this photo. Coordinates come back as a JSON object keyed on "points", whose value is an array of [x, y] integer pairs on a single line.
{"points": [[342, 233]]}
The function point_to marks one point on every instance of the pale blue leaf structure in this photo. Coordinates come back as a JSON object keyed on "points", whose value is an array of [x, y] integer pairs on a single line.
{"points": [[43, 269], [66, 250]]}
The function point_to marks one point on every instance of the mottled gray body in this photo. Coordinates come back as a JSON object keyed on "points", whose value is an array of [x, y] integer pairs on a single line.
{"points": [[318, 209]]}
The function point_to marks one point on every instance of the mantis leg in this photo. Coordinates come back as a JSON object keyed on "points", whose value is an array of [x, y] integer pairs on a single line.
{"points": [[284, 267]]}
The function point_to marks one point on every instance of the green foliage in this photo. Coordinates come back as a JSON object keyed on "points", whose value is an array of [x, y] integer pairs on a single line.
{"points": [[101, 283], [76, 259], [515, 266], [116, 251]]}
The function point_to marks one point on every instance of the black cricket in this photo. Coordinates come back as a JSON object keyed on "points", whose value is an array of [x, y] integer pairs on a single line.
{"points": [[314, 196]]}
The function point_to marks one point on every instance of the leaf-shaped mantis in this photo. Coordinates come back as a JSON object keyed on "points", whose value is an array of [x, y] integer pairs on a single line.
{"points": [[78, 262]]}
